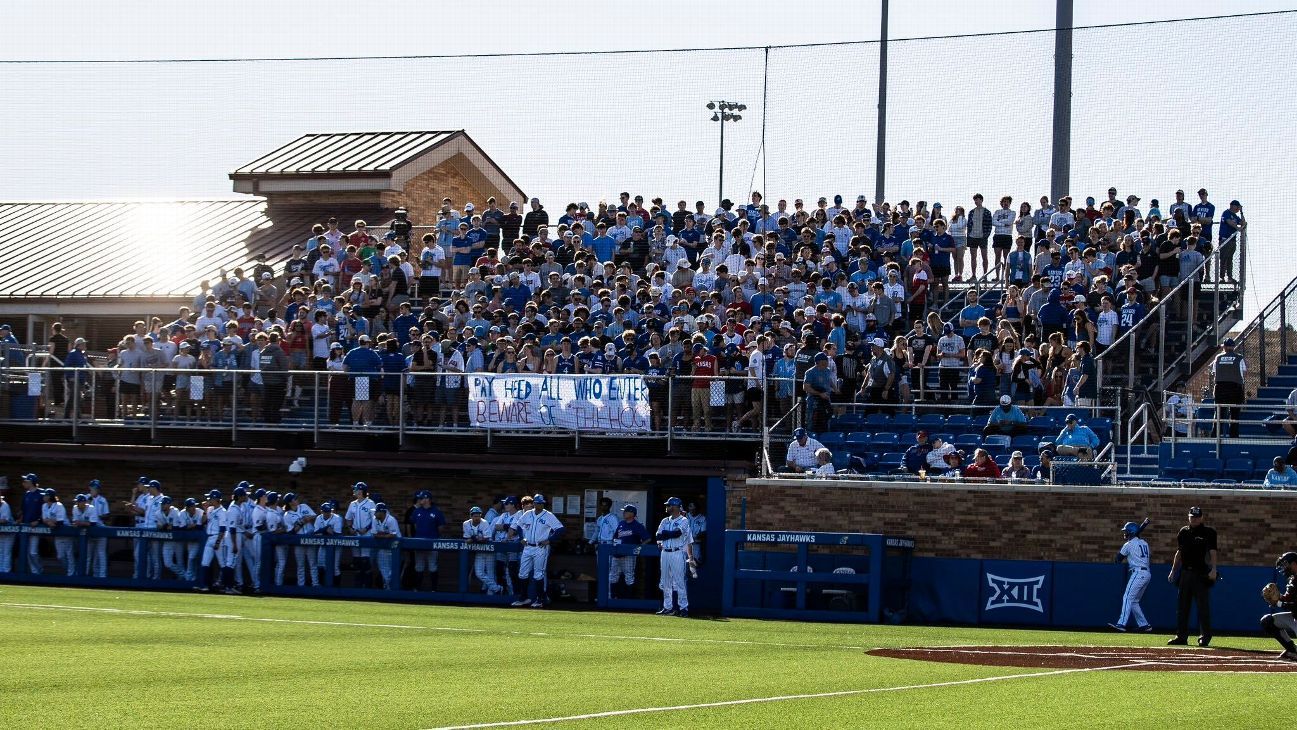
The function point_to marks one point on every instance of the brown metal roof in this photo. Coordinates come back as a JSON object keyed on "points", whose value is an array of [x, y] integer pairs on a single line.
{"points": [[357, 153], [139, 249]]}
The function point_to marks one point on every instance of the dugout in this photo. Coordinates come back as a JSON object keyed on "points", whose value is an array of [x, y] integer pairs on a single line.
{"points": [[824, 576]]}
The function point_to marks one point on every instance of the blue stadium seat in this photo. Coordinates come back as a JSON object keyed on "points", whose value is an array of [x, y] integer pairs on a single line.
{"points": [[858, 437], [1177, 468], [1225, 483], [1207, 467], [959, 422], [878, 421], [1002, 460], [1102, 428], [932, 421], [997, 441], [1238, 469], [968, 441], [851, 421], [947, 437], [1044, 426], [904, 422], [832, 439], [908, 438], [841, 460], [886, 440], [892, 460], [1025, 444]]}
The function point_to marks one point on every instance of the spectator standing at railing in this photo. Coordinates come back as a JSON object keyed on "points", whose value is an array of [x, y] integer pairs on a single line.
{"points": [[1204, 213], [1228, 371], [1231, 222]]}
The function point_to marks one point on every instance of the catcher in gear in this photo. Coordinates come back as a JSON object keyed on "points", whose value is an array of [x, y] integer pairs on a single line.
{"points": [[1282, 625]]}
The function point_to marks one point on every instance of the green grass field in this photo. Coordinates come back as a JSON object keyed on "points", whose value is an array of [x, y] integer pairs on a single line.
{"points": [[100, 659]]}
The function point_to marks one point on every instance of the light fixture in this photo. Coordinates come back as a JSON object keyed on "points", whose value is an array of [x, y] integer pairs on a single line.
{"points": [[742, 107], [715, 117], [711, 105]]}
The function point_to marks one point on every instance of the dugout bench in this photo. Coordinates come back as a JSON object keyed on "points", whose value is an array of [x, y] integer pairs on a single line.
{"points": [[819, 576]]}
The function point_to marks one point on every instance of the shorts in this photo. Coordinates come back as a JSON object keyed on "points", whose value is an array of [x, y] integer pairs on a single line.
{"points": [[449, 396], [752, 395], [736, 398], [398, 300], [1002, 241], [976, 242], [940, 272], [429, 286], [125, 388], [1167, 282]]}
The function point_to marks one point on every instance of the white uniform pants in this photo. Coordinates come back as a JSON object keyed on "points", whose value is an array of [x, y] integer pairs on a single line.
{"points": [[153, 570], [673, 579], [534, 561], [34, 555], [191, 559], [384, 566], [1135, 587], [96, 557], [171, 558], [484, 569], [323, 561], [1286, 622], [65, 548], [281, 563], [226, 557], [621, 568], [251, 550], [304, 556], [7, 553]]}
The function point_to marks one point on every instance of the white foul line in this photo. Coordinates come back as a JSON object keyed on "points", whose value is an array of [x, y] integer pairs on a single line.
{"points": [[535, 634], [781, 698]]}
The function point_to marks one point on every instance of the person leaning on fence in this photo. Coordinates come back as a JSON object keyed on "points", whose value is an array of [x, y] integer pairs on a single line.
{"points": [[801, 452], [1076, 439], [818, 385], [1228, 371]]}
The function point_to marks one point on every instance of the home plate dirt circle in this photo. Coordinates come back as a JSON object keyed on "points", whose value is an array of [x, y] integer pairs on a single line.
{"points": [[1148, 659]]}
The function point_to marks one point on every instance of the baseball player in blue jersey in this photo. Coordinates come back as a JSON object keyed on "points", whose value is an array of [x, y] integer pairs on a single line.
{"points": [[328, 523], [214, 518], [6, 539], [84, 515], [33, 508], [385, 526], [538, 527], [500, 534], [604, 525], [675, 539], [621, 569], [427, 521], [54, 514], [478, 531], [1136, 556], [191, 519], [359, 518], [98, 546]]}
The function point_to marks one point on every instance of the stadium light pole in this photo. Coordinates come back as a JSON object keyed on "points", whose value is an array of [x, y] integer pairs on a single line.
{"points": [[1061, 163], [722, 112], [880, 155]]}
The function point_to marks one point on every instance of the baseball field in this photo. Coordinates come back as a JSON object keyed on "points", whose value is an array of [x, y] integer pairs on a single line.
{"points": [[106, 659]]}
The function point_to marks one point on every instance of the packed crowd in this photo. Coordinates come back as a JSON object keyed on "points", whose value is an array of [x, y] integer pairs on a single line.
{"points": [[827, 302]]}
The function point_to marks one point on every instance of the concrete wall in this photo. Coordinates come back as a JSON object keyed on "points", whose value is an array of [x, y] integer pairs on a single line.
{"points": [[1025, 522]]}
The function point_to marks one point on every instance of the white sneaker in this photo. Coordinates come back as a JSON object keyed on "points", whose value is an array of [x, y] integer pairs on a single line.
{"points": [[523, 602]]}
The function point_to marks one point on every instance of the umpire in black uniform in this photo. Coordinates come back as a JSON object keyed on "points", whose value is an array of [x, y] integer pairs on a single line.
{"points": [[1194, 570]]}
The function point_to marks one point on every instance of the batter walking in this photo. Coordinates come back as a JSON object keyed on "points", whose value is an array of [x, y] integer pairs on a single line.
{"points": [[1194, 570], [1135, 553]]}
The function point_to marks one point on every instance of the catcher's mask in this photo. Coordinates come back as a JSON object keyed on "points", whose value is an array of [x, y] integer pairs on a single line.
{"points": [[1285, 560]]}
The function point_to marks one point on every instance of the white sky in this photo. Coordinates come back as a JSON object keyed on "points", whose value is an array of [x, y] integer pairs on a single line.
{"points": [[1154, 108]]}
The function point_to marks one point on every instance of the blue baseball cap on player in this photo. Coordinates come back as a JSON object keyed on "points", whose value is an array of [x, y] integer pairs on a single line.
{"points": [[511, 500], [155, 484], [380, 507], [290, 497], [31, 477], [799, 432], [360, 487], [191, 502], [142, 480], [630, 508], [538, 499], [240, 491], [272, 497], [327, 507], [475, 511], [259, 493], [214, 494], [82, 498], [166, 500], [49, 492], [674, 502], [243, 485], [94, 484], [1130, 528]]}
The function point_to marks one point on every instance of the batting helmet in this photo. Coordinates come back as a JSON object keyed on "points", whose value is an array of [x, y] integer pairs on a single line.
{"points": [[1130, 528], [1286, 558]]}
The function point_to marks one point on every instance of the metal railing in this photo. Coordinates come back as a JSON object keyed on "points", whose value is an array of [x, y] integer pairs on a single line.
{"points": [[394, 403], [1222, 271], [1267, 341]]}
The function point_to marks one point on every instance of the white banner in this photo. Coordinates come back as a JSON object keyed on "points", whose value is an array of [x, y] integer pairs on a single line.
{"points": [[196, 387], [579, 403], [34, 382]]}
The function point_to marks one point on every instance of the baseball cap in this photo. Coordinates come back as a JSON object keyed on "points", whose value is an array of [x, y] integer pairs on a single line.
{"points": [[674, 502], [475, 511], [360, 486], [165, 500], [799, 432], [538, 499], [949, 328], [878, 342], [272, 497], [327, 506], [511, 500], [155, 484], [1016, 455], [259, 493], [630, 508], [191, 502], [214, 494], [1005, 400], [94, 484], [49, 492], [1195, 511], [1229, 342], [31, 477], [1070, 417], [380, 507], [821, 357], [336, 346], [84, 498]]}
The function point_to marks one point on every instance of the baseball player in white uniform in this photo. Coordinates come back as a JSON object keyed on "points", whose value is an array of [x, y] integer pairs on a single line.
{"points": [[478, 531], [299, 519], [254, 523], [384, 525], [274, 525], [137, 506], [214, 517], [98, 546], [172, 551], [537, 527], [697, 528], [1135, 553], [327, 523], [236, 512], [54, 514], [676, 541], [500, 533], [359, 519], [84, 515], [152, 504], [191, 519], [7, 540], [605, 526]]}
